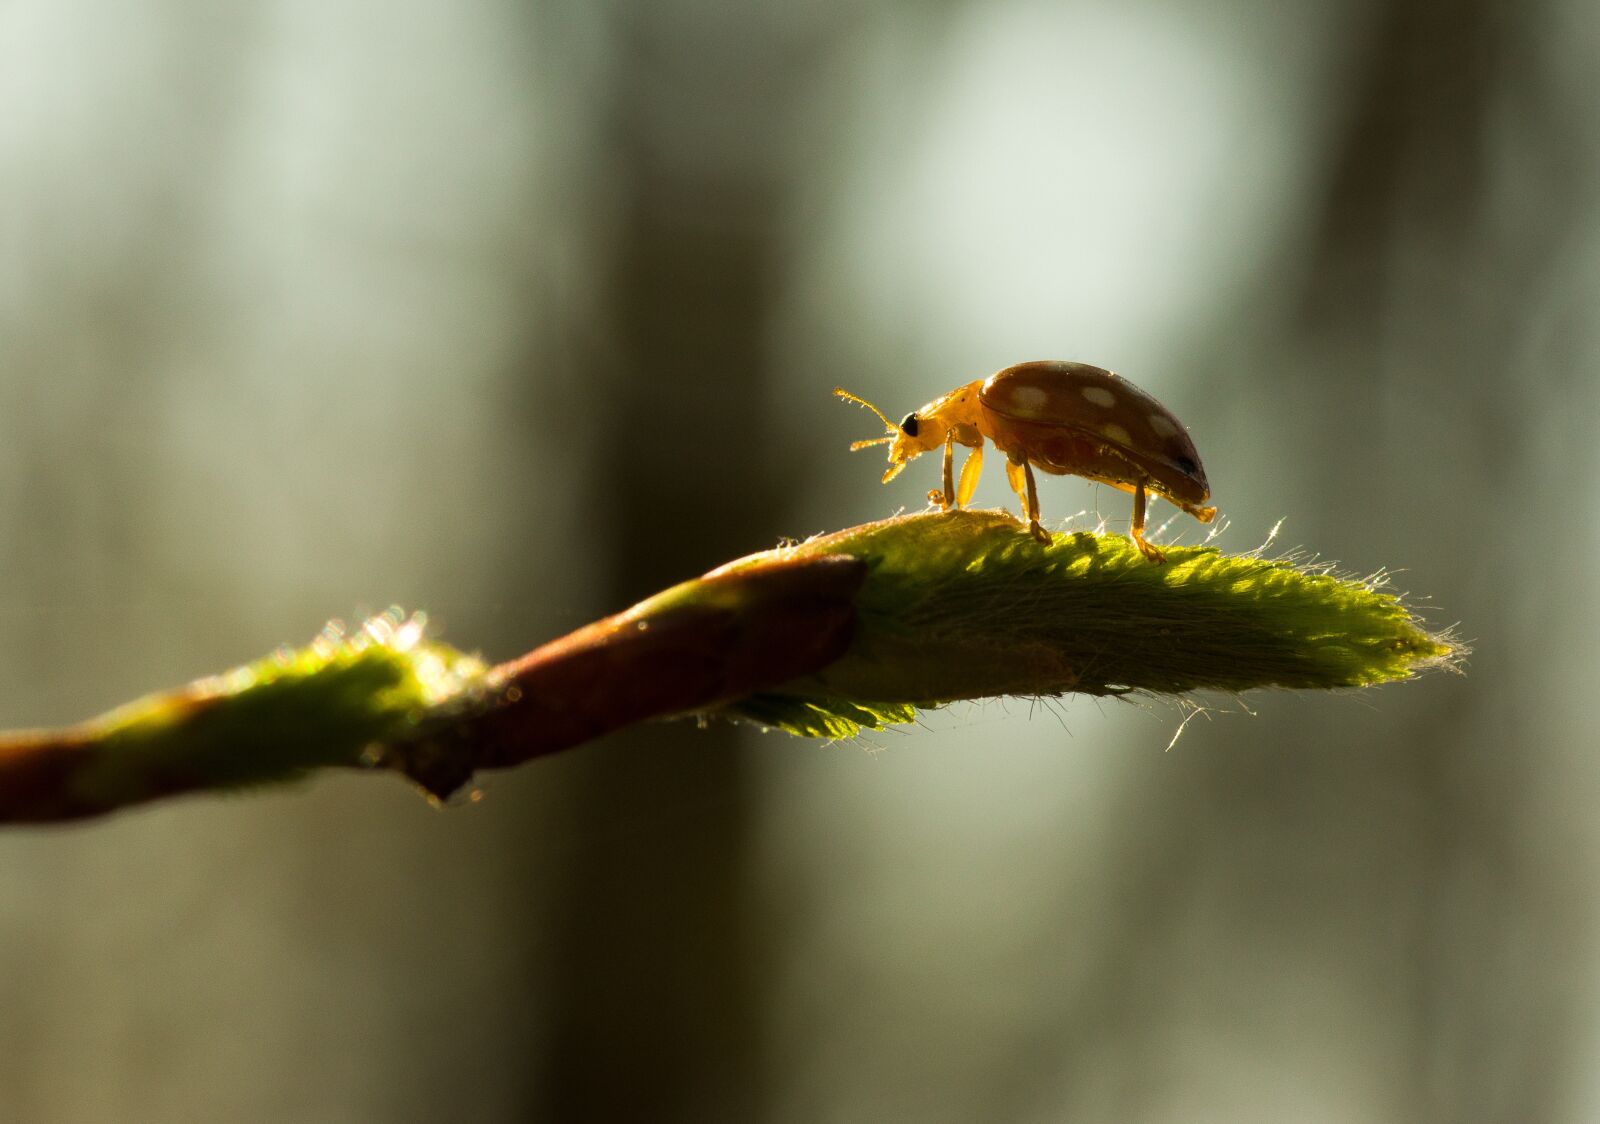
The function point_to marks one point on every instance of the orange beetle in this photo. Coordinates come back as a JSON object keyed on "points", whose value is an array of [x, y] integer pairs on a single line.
{"points": [[1063, 418]]}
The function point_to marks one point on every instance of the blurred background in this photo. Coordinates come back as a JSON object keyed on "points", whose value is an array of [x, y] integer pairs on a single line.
{"points": [[516, 312]]}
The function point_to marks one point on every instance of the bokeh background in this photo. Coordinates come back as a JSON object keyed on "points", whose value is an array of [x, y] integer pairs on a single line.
{"points": [[516, 312]]}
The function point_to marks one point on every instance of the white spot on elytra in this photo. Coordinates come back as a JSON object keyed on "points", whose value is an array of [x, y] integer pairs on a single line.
{"points": [[1111, 431], [1099, 395], [1028, 399], [1162, 425]]}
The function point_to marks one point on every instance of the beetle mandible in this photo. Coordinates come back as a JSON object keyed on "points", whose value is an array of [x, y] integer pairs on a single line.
{"points": [[1060, 417]]}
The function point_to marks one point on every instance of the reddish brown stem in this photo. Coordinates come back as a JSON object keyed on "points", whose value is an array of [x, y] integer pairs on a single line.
{"points": [[36, 771], [734, 633]]}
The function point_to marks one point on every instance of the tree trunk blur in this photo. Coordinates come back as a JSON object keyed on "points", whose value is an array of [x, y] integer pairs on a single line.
{"points": [[657, 1012]]}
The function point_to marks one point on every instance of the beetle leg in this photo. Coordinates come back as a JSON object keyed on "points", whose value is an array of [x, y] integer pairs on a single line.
{"points": [[1020, 475], [969, 475], [1033, 505], [944, 498], [1019, 485], [1147, 549]]}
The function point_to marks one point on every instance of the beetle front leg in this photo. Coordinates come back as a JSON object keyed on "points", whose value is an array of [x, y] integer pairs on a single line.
{"points": [[947, 496], [941, 499], [1147, 549]]}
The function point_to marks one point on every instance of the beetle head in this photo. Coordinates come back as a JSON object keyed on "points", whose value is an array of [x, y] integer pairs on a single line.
{"points": [[915, 435]]}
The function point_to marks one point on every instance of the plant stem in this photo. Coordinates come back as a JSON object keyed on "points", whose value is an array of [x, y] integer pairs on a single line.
{"points": [[857, 629]]}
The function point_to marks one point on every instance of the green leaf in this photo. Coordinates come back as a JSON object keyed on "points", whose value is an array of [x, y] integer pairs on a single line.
{"points": [[965, 604]]}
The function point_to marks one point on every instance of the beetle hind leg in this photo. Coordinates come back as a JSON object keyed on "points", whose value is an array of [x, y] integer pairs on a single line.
{"points": [[1149, 550]]}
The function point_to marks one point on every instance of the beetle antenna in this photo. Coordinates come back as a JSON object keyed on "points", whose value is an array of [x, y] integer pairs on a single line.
{"points": [[887, 424]]}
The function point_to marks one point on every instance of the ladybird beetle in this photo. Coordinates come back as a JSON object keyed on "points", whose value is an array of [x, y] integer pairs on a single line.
{"points": [[1062, 418]]}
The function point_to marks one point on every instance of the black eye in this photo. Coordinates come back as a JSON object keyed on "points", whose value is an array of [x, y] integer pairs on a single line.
{"points": [[1186, 466], [909, 426]]}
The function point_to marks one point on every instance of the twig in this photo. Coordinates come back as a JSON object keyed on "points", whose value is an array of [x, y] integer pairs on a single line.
{"points": [[852, 630]]}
